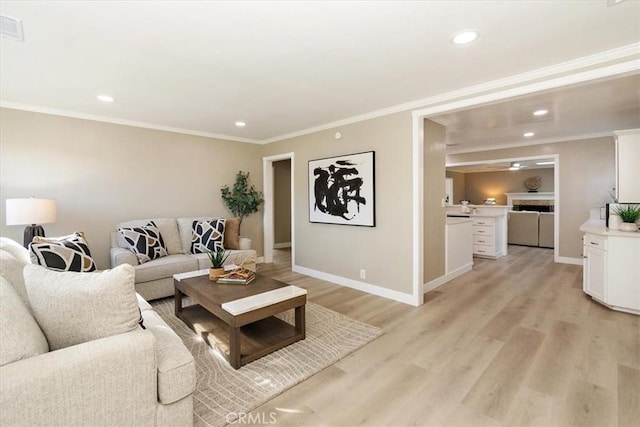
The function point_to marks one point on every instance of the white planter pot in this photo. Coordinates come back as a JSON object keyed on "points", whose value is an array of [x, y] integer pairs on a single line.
{"points": [[614, 222], [245, 243], [629, 226]]}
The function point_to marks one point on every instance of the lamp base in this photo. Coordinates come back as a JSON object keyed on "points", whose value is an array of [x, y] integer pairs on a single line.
{"points": [[30, 231]]}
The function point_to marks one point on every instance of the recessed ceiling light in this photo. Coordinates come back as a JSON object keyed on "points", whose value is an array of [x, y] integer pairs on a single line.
{"points": [[540, 112], [514, 168], [516, 165], [528, 134], [464, 37], [240, 124], [545, 163], [105, 98]]}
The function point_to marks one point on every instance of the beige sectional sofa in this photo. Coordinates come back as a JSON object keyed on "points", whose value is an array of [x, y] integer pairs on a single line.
{"points": [[141, 377], [154, 279]]}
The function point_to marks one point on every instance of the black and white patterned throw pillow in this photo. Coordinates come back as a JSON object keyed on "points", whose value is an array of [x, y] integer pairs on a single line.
{"points": [[207, 236], [66, 253], [145, 242]]}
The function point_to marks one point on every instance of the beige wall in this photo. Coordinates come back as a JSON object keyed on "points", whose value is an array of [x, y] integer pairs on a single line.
{"points": [[384, 251], [481, 185], [434, 190], [458, 186], [586, 175], [282, 201], [103, 173]]}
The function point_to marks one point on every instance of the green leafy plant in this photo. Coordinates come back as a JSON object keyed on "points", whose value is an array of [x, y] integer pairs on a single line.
{"points": [[243, 199], [218, 258], [628, 213]]}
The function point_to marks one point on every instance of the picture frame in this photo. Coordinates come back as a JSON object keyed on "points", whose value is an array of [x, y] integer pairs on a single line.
{"points": [[342, 190]]}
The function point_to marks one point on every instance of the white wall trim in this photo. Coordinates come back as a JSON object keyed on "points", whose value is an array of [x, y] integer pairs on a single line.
{"points": [[569, 260], [418, 212], [267, 219], [607, 71], [628, 51], [354, 284], [116, 121], [282, 245], [447, 277]]}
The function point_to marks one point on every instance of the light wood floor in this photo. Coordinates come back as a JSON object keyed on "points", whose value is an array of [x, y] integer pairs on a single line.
{"points": [[515, 342]]}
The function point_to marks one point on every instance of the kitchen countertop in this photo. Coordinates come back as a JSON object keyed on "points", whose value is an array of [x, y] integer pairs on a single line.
{"points": [[597, 226]]}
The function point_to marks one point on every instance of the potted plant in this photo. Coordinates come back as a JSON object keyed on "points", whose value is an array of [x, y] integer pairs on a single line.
{"points": [[217, 259], [629, 214], [242, 200]]}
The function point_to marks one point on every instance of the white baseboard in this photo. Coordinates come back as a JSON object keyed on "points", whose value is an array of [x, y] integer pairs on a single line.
{"points": [[354, 284], [429, 286], [281, 245], [569, 260]]}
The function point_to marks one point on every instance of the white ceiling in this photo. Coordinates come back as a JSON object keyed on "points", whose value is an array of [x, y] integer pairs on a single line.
{"points": [[284, 67]]}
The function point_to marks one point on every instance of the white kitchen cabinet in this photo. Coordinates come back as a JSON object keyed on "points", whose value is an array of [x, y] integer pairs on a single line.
{"points": [[595, 271], [488, 236], [611, 272], [627, 169]]}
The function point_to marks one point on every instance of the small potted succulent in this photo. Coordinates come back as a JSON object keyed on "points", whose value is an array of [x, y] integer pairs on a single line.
{"points": [[629, 214], [217, 259]]}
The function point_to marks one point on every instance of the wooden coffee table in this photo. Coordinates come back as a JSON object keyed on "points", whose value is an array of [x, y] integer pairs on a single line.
{"points": [[239, 320]]}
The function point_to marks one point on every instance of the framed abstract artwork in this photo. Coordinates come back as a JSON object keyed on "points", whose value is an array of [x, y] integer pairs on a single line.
{"points": [[342, 190]]}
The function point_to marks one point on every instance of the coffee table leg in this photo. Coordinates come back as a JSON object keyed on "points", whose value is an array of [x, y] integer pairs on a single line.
{"points": [[300, 322], [178, 303], [234, 347]]}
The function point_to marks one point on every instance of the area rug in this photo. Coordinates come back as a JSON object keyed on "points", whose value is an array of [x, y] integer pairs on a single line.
{"points": [[223, 393]]}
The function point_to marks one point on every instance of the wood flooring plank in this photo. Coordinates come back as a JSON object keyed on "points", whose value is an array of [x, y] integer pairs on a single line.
{"points": [[628, 396], [495, 390], [555, 359], [588, 405]]}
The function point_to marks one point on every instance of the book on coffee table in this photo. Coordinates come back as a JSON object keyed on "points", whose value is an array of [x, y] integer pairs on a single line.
{"points": [[237, 277]]}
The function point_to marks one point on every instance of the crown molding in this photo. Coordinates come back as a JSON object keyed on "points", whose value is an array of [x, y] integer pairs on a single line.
{"points": [[112, 120], [625, 52]]}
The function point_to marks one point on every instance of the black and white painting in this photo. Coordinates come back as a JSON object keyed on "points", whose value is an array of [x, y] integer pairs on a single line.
{"points": [[341, 190]]}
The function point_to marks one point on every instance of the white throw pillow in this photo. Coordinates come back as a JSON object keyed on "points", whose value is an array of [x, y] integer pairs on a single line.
{"points": [[20, 335], [72, 308]]}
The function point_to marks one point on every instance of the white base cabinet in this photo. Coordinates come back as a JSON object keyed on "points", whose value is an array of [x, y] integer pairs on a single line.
{"points": [[611, 273]]}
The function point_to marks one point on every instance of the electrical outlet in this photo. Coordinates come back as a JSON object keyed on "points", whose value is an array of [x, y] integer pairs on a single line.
{"points": [[363, 274]]}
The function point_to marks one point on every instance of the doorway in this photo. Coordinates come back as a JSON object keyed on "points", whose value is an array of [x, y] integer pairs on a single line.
{"points": [[271, 207]]}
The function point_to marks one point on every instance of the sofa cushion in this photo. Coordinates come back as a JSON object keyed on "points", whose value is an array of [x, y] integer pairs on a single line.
{"points": [[146, 241], [142, 303], [16, 249], [20, 335], [165, 267], [168, 228], [11, 269], [72, 308], [176, 367], [207, 236], [232, 233], [64, 253]]}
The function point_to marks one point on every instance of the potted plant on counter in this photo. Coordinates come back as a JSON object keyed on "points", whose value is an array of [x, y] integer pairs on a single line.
{"points": [[217, 259], [629, 214], [243, 199]]}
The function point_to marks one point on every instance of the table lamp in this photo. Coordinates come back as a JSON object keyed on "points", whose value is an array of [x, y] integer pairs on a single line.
{"points": [[31, 212]]}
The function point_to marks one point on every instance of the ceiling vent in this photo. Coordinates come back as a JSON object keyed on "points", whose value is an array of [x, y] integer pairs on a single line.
{"points": [[11, 28]]}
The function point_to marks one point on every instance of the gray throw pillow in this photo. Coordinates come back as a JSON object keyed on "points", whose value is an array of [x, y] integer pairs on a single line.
{"points": [[72, 308]]}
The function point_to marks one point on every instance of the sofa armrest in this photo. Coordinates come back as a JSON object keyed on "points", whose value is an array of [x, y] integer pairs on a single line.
{"points": [[110, 381], [122, 256]]}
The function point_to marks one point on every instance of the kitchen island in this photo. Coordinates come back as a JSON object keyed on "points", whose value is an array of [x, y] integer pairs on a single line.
{"points": [[489, 228]]}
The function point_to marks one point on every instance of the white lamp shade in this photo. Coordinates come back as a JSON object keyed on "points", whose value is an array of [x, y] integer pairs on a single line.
{"points": [[30, 211]]}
